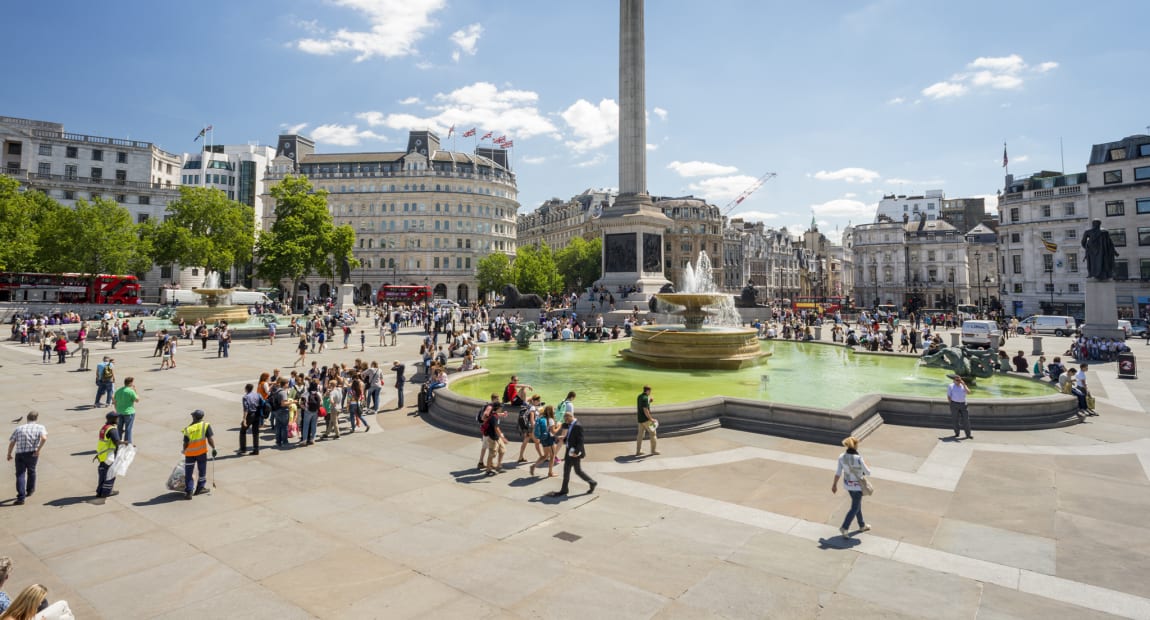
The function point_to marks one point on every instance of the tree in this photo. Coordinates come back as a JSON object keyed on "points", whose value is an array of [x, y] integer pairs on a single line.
{"points": [[22, 214], [205, 229], [302, 239], [494, 272], [96, 237], [580, 263], [535, 270]]}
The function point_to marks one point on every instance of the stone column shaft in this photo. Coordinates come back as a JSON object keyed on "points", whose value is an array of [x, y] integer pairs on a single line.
{"points": [[632, 100]]}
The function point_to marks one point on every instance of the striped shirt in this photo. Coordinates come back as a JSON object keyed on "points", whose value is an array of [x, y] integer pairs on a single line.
{"points": [[27, 437]]}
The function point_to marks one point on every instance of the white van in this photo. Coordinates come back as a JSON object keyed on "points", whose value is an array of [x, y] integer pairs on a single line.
{"points": [[182, 295], [1048, 324], [982, 334], [249, 298]]}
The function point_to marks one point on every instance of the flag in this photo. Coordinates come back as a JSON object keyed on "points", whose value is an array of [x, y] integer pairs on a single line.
{"points": [[451, 131], [469, 133], [1051, 246], [486, 135], [508, 144], [203, 132], [500, 140], [1005, 160]]}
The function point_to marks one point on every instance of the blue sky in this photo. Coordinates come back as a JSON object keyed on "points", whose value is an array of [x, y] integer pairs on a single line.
{"points": [[843, 100]]}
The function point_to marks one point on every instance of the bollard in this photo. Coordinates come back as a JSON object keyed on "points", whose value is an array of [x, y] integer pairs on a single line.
{"points": [[1036, 349], [955, 339], [818, 332]]}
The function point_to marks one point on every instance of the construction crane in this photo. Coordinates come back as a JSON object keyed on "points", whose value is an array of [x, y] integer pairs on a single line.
{"points": [[747, 192]]}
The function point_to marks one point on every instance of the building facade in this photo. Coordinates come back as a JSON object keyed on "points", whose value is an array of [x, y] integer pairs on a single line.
{"points": [[894, 207], [1046, 207], [696, 227], [1119, 178], [422, 216], [556, 222], [67, 167]]}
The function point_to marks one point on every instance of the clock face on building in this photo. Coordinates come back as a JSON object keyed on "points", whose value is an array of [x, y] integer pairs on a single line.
{"points": [[286, 147]]}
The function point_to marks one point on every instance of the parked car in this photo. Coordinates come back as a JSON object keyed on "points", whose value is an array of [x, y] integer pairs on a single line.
{"points": [[1049, 324], [1138, 328], [982, 334]]}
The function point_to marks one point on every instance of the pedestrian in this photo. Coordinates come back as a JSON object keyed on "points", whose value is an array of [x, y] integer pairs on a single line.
{"points": [[1081, 392], [197, 439], [252, 405], [565, 407], [281, 411], [956, 395], [853, 470], [302, 359], [105, 381], [5, 572], [527, 417], [494, 440], [126, 399], [346, 335], [24, 447], [362, 339], [332, 400], [373, 382], [224, 341], [545, 429], [114, 332], [61, 347], [491, 408], [310, 416], [107, 447], [647, 424], [353, 396], [574, 457], [398, 369]]}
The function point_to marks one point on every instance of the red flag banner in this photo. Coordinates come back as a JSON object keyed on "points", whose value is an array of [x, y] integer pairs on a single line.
{"points": [[508, 144], [469, 133], [451, 131], [486, 135], [500, 140]]}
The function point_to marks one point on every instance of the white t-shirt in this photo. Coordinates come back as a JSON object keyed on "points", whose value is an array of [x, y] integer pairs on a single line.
{"points": [[849, 464]]}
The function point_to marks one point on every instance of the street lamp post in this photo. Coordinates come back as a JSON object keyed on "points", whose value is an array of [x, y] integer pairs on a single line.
{"points": [[978, 277]]}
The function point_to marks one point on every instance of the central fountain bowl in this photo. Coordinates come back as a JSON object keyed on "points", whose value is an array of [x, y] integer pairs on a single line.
{"points": [[692, 345], [213, 311]]}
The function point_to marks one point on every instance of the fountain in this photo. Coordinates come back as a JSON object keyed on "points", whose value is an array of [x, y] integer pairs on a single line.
{"points": [[708, 338], [217, 304]]}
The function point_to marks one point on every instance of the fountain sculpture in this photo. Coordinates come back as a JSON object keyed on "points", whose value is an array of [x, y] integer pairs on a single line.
{"points": [[217, 304], [721, 344]]}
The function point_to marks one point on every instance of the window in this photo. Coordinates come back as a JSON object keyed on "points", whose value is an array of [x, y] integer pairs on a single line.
{"points": [[45, 149], [1047, 235], [71, 151], [1016, 263], [1045, 210], [165, 271], [69, 194], [1144, 268], [1144, 150], [1073, 287], [1121, 270], [1118, 236], [1047, 263], [1017, 287], [1014, 214], [1143, 206], [141, 218], [1117, 154], [44, 169], [1143, 235], [15, 148], [145, 200], [1069, 207], [1071, 233], [1111, 177], [121, 176], [97, 155], [1072, 263], [195, 271], [1142, 174], [121, 157], [930, 255], [122, 198], [1015, 238], [97, 174]]}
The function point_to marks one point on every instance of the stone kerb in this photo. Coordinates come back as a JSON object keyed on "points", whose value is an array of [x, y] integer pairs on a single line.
{"points": [[1053, 411]]}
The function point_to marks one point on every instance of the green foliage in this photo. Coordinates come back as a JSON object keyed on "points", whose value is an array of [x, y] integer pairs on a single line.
{"points": [[21, 216], [96, 237], [302, 239], [535, 270], [494, 272], [580, 263], [205, 229]]}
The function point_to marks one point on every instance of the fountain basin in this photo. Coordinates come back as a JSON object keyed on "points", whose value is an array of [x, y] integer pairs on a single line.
{"points": [[725, 348]]}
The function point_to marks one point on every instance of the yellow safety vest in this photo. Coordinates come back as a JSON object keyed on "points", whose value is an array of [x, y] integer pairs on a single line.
{"points": [[197, 439], [105, 447]]}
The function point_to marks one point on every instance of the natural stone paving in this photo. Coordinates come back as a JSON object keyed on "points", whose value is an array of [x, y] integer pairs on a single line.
{"points": [[396, 523]]}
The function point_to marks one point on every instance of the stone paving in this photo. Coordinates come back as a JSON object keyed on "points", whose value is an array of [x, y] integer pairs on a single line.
{"points": [[397, 523]]}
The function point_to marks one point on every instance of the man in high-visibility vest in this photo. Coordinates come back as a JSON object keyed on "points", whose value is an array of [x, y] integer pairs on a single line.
{"points": [[107, 445], [197, 439]]}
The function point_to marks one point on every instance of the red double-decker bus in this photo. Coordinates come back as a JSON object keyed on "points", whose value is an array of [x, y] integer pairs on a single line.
{"points": [[69, 288], [817, 304], [398, 294]]}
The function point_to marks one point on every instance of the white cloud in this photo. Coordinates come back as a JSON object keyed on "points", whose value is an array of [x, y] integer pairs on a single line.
{"points": [[396, 25], [850, 195], [700, 168], [467, 40], [661, 113], [722, 189], [1021, 158], [532, 159], [343, 135], [988, 72], [850, 175], [652, 147], [410, 101], [594, 161], [481, 105], [833, 234], [926, 183], [845, 207], [294, 129], [593, 126], [755, 216], [896, 101]]}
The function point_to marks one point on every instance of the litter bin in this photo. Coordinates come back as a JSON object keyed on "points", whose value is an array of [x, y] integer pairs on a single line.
{"points": [[1127, 366]]}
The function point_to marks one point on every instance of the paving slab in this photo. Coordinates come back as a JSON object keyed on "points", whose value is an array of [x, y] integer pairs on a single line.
{"points": [[911, 590], [996, 545]]}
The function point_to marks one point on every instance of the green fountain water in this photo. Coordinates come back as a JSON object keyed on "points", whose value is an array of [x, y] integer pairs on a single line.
{"points": [[814, 375]]}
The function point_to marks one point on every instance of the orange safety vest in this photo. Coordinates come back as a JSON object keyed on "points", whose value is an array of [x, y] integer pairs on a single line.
{"points": [[196, 435]]}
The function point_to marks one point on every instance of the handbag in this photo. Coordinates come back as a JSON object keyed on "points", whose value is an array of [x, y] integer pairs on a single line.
{"points": [[864, 480]]}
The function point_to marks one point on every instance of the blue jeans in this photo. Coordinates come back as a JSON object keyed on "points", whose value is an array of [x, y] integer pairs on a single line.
{"points": [[25, 474], [280, 418], [855, 511], [373, 397], [104, 387], [308, 422], [399, 396], [1081, 395], [190, 464], [124, 426]]}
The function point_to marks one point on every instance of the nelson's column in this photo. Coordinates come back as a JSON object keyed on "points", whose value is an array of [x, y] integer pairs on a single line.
{"points": [[633, 227]]}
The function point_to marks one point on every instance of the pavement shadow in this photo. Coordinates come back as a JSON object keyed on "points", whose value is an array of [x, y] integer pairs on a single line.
{"points": [[950, 439], [630, 458], [84, 453], [526, 481], [838, 542], [552, 500], [61, 502], [165, 498], [85, 408], [470, 476]]}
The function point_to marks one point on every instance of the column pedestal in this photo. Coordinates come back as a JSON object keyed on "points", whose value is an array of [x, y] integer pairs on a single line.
{"points": [[1102, 310], [345, 297]]}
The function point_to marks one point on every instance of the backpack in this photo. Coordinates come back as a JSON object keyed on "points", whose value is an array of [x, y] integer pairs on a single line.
{"points": [[542, 432], [562, 409], [314, 401], [107, 374], [524, 419], [482, 415]]}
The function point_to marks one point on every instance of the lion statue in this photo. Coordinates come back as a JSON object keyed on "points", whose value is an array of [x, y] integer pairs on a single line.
{"points": [[513, 299]]}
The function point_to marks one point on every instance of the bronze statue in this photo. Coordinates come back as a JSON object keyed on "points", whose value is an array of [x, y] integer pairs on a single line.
{"points": [[749, 297], [1100, 252], [344, 271]]}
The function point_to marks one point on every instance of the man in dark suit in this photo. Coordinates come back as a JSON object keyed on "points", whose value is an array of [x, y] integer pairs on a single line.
{"points": [[575, 454]]}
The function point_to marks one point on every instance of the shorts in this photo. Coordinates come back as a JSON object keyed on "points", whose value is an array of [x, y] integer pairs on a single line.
{"points": [[547, 441], [494, 446]]}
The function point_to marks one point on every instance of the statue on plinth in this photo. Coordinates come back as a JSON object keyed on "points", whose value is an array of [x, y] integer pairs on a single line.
{"points": [[1100, 252]]}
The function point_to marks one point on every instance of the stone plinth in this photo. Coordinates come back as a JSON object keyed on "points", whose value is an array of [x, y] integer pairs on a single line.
{"points": [[231, 314], [345, 297], [1102, 311], [728, 348]]}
